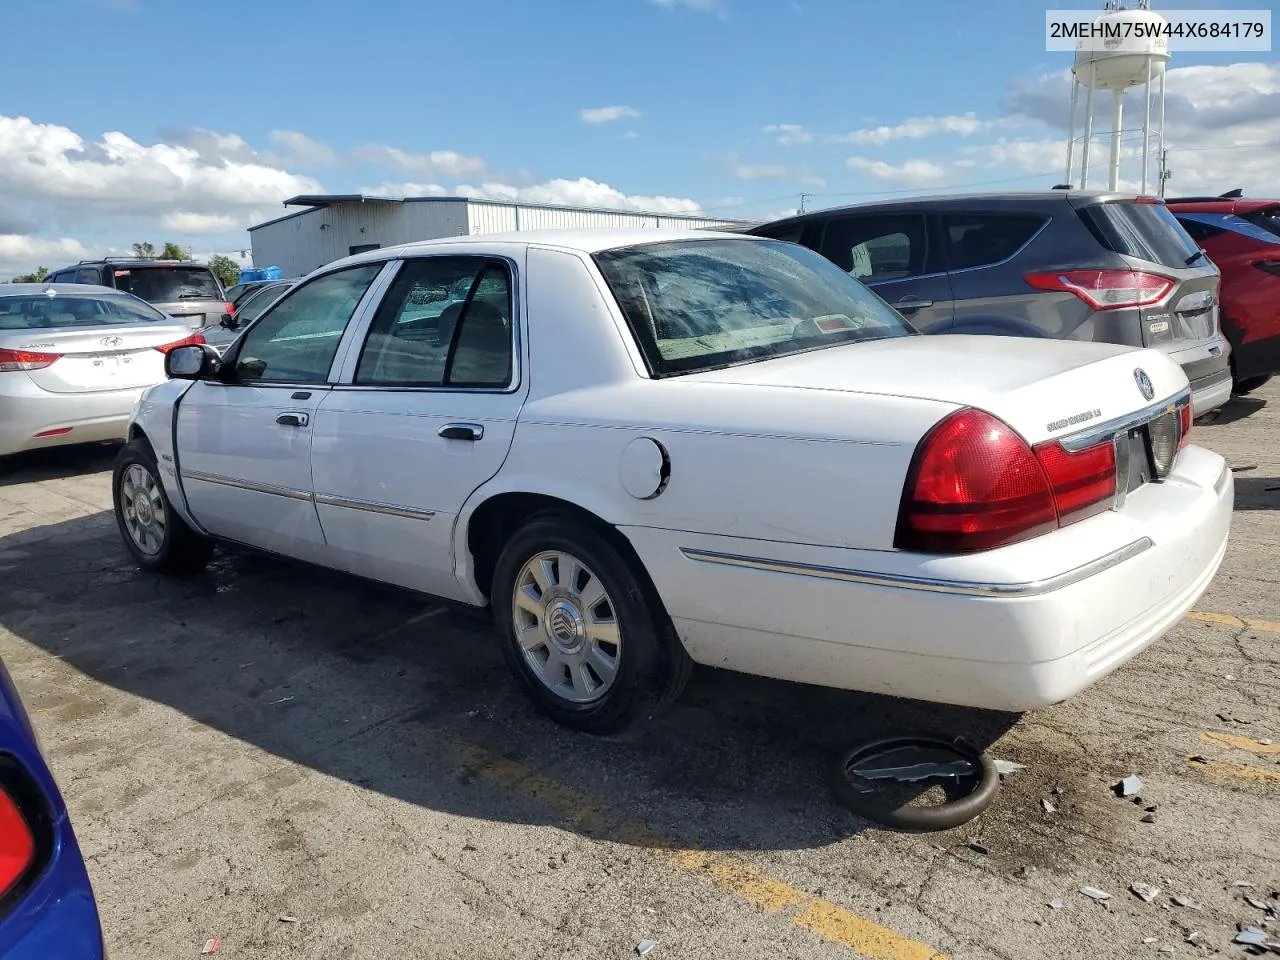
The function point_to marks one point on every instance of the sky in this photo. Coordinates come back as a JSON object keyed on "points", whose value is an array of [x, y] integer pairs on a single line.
{"points": [[130, 120]]}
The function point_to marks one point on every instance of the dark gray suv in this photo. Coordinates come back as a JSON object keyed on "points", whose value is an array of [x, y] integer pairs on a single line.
{"points": [[184, 289], [1065, 264]]}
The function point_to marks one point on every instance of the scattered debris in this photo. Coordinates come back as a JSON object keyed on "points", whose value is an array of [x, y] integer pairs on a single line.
{"points": [[1195, 936], [1093, 893], [1244, 468], [1153, 808], [977, 846], [1253, 937], [1048, 807], [1025, 872], [1226, 716], [281, 700], [1258, 904], [1057, 791], [644, 946], [1148, 939], [1243, 883], [1166, 949], [1228, 677], [1185, 902], [285, 918], [1145, 891], [1055, 904], [1006, 767], [1198, 758], [1148, 818], [1129, 786], [211, 947], [468, 847]]}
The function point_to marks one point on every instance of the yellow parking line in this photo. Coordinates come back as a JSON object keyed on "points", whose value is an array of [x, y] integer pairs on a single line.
{"points": [[725, 871], [1224, 768], [1235, 742], [1226, 619]]}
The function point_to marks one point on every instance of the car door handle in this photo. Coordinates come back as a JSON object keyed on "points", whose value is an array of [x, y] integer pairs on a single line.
{"points": [[912, 303], [293, 419], [461, 431]]}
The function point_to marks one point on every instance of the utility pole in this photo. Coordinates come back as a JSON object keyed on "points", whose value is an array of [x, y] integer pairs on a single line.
{"points": [[803, 198], [1165, 173]]}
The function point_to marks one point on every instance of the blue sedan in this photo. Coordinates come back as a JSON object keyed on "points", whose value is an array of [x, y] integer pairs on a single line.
{"points": [[47, 908]]}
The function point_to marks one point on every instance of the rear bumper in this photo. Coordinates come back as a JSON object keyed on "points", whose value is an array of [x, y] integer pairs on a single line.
{"points": [[1210, 392], [1012, 629], [26, 411]]}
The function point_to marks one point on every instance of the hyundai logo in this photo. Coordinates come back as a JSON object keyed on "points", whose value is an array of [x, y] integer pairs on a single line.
{"points": [[1144, 383], [111, 341]]}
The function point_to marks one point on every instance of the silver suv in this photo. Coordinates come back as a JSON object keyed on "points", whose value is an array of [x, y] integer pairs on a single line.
{"points": [[1066, 264], [185, 290]]}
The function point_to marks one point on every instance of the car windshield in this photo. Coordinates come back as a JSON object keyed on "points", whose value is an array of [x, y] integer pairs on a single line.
{"points": [[42, 311], [700, 304], [257, 304], [168, 284]]}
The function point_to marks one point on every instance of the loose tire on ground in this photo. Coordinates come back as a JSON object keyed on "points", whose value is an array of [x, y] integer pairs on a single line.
{"points": [[556, 630], [153, 533]]}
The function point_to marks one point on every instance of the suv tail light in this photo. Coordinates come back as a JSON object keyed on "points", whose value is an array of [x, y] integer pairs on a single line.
{"points": [[14, 360], [231, 308], [194, 340], [976, 484], [17, 843], [1106, 289]]}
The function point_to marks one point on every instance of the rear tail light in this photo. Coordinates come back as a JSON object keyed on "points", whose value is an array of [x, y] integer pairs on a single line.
{"points": [[17, 844], [1184, 424], [1269, 266], [13, 360], [1106, 289], [975, 484], [231, 309], [192, 341]]}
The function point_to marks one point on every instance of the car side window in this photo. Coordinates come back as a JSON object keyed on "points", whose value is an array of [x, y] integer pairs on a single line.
{"points": [[297, 341], [877, 248], [88, 275], [978, 240], [445, 322]]}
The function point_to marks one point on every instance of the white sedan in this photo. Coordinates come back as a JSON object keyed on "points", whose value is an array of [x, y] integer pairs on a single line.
{"points": [[645, 449]]}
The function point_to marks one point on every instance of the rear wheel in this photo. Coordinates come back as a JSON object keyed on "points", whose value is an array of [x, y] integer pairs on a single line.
{"points": [[153, 533], [1248, 385], [582, 629]]}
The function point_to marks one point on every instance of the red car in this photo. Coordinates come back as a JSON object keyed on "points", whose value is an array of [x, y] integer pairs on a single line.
{"points": [[1242, 236]]}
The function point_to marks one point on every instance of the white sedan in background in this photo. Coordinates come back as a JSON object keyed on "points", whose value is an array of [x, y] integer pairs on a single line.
{"points": [[645, 448], [74, 359]]}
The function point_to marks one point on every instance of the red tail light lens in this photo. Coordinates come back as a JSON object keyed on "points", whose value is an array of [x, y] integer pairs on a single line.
{"points": [[1184, 421], [1106, 289], [13, 360], [194, 340], [17, 845], [976, 484], [231, 309]]}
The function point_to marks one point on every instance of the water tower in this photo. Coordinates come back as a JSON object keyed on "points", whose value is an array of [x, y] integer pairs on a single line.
{"points": [[1128, 49]]}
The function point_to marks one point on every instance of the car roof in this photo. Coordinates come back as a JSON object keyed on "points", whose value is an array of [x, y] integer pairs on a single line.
{"points": [[1221, 204], [138, 261], [76, 289]]}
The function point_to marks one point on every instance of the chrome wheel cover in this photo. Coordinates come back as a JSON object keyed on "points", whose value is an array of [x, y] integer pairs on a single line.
{"points": [[143, 509]]}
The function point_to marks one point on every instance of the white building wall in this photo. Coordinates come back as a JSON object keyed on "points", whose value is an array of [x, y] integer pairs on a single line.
{"points": [[493, 217]]}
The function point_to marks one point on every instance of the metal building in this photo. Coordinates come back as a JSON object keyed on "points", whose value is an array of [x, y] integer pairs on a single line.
{"points": [[336, 226]]}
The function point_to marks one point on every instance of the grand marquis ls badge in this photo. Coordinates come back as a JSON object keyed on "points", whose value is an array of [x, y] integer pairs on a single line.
{"points": [[1144, 383]]}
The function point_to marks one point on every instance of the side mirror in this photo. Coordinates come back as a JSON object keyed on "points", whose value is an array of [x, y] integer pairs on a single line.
{"points": [[196, 362], [228, 321]]}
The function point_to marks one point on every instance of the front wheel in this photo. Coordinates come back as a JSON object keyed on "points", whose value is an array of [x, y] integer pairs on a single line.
{"points": [[153, 533], [582, 630]]}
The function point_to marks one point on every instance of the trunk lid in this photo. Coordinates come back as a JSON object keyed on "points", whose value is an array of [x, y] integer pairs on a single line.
{"points": [[99, 357], [1041, 388]]}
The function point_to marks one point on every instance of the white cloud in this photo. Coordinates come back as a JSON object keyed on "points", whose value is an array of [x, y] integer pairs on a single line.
{"points": [[582, 192], [606, 114], [406, 189], [21, 254], [704, 5], [789, 134], [303, 150], [918, 128], [437, 163], [187, 222], [631, 135], [771, 171], [912, 173]]}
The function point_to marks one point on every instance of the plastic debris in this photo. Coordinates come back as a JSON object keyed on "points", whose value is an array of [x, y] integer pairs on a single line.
{"points": [[281, 700], [1252, 936], [285, 918], [1257, 904], [1148, 818], [211, 947], [1243, 883], [1055, 904], [1166, 949], [1128, 787], [1006, 767], [1185, 902], [977, 846], [1244, 467], [1025, 872], [1198, 758], [1145, 891], [1093, 893], [1148, 939], [1048, 807], [1195, 936], [645, 946], [1226, 716], [1227, 676]]}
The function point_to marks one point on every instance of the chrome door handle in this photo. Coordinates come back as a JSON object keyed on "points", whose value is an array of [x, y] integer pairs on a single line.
{"points": [[911, 303], [293, 419], [461, 431]]}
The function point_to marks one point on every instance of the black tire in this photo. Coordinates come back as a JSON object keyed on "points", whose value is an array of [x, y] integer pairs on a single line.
{"points": [[1244, 387], [181, 549], [652, 665]]}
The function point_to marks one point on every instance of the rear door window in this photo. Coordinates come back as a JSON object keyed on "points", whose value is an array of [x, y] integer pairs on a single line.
{"points": [[168, 284], [980, 239], [873, 249], [1145, 231], [1268, 219]]}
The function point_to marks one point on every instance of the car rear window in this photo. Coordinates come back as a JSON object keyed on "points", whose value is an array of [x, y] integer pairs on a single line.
{"points": [[168, 284], [1268, 219], [42, 312], [1203, 225], [700, 304], [1146, 231]]}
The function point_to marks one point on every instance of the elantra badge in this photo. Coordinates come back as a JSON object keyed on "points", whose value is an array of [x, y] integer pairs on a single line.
{"points": [[1144, 383]]}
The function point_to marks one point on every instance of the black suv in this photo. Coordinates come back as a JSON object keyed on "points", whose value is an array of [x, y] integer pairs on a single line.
{"points": [[185, 290], [1065, 264]]}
